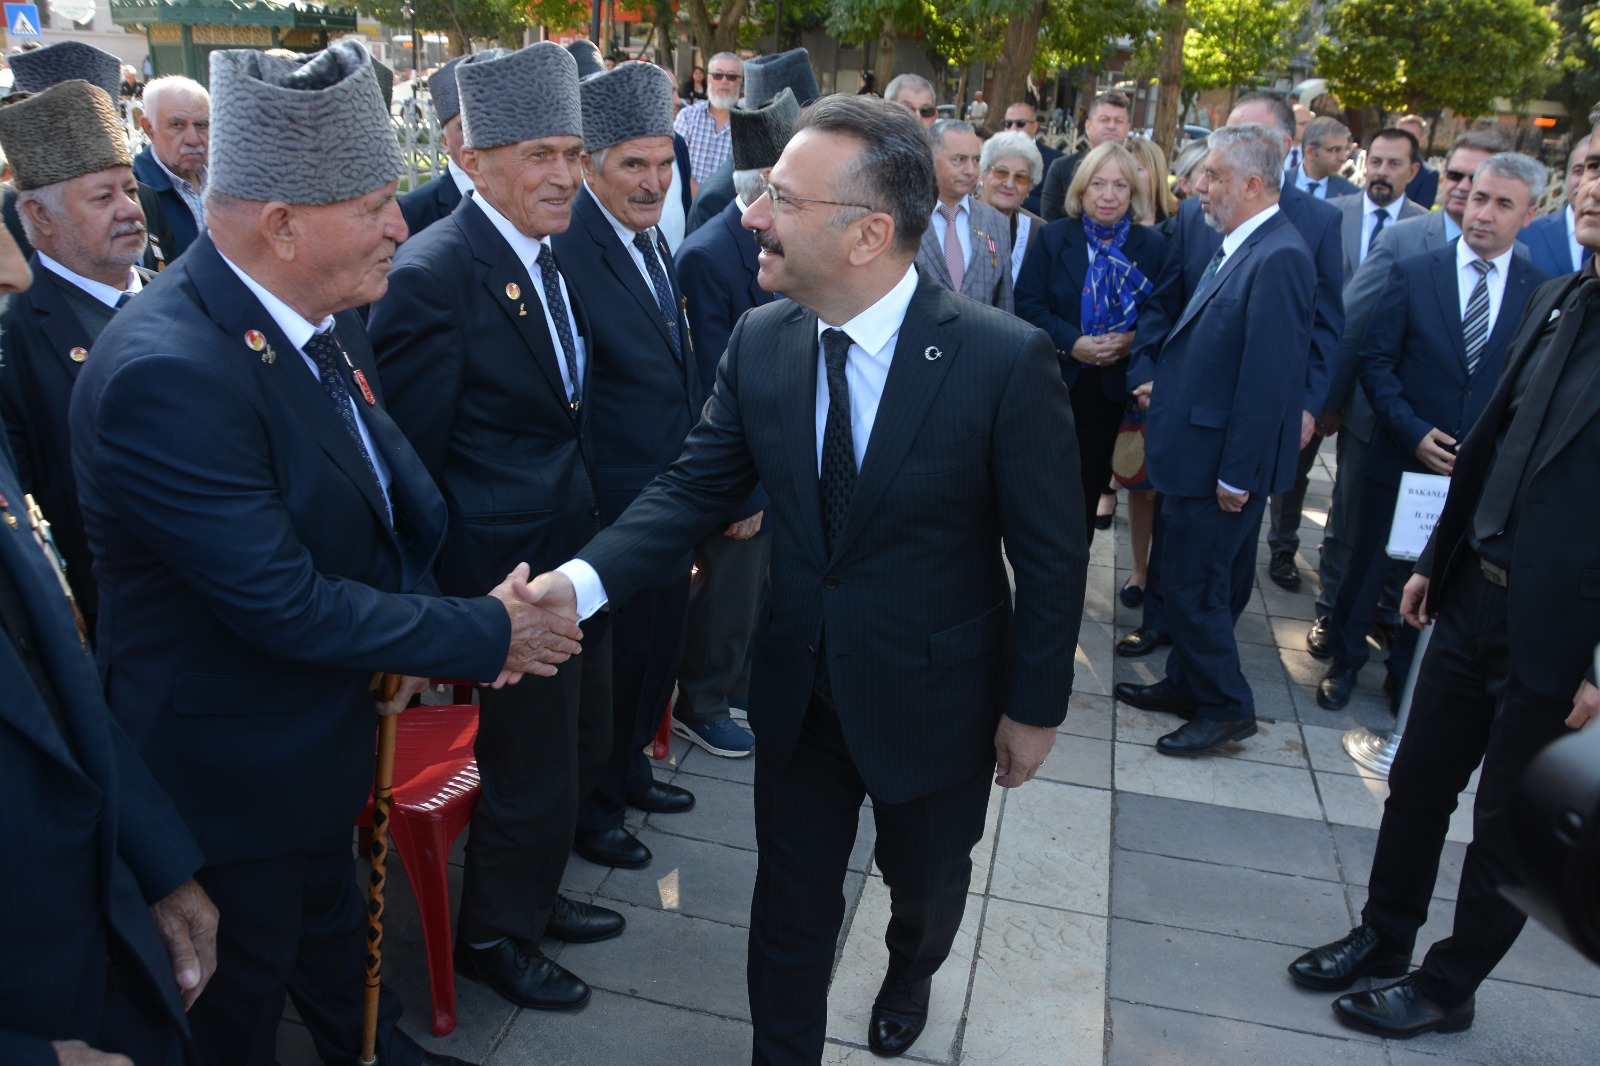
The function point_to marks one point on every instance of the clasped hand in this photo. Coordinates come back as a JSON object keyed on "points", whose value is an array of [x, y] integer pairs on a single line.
{"points": [[544, 624]]}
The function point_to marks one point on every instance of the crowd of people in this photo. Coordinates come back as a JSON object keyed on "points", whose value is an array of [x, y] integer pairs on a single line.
{"points": [[801, 407]]}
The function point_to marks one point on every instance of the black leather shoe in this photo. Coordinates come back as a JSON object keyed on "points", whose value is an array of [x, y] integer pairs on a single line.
{"points": [[1319, 639], [1161, 696], [611, 847], [662, 798], [1399, 1011], [522, 975], [582, 923], [1141, 641], [898, 1015], [1200, 735], [1363, 952], [1283, 572], [1333, 691]]}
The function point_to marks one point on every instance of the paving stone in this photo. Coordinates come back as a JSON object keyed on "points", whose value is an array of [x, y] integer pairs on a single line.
{"points": [[697, 762], [1274, 742], [983, 853], [1259, 662], [1236, 902], [1356, 845], [1142, 669], [687, 876], [1093, 667], [1030, 953], [1153, 1036], [672, 959], [723, 812], [1100, 594], [1227, 782], [1368, 707], [1525, 1026], [1053, 847], [1358, 800], [1079, 761], [1283, 604], [1249, 839], [1089, 714], [617, 1028], [1273, 700], [1289, 632], [1253, 629]]}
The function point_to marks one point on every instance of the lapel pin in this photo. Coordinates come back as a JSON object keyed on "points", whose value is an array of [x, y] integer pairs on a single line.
{"points": [[78, 355], [256, 340], [930, 353], [1555, 313], [522, 310], [513, 291], [269, 356]]}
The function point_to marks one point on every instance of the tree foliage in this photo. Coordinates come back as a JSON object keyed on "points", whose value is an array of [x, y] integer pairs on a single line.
{"points": [[1231, 43], [1428, 55], [1577, 56], [502, 20]]}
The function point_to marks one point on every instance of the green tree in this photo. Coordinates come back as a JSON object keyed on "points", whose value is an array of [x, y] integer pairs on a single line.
{"points": [[1231, 43], [1429, 55], [1577, 83], [463, 20]]}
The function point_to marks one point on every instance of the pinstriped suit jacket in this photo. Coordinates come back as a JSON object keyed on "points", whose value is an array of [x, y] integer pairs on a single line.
{"points": [[988, 277], [973, 440]]}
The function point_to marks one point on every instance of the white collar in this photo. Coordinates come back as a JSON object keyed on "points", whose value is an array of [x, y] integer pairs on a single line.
{"points": [[624, 234], [871, 329], [1370, 208], [294, 325], [1242, 231], [1465, 255], [963, 204], [462, 179], [106, 294], [525, 248]]}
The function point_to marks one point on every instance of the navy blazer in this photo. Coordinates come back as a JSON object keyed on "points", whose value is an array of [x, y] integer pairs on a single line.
{"points": [[1424, 188], [717, 267], [716, 193], [1191, 248], [1414, 370], [926, 647], [1049, 291], [251, 580], [180, 220], [643, 397], [90, 839], [473, 378], [1047, 155], [1549, 243], [1229, 377], [429, 202]]}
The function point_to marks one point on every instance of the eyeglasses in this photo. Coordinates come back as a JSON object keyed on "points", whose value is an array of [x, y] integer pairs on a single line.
{"points": [[1456, 177], [1017, 123], [785, 200], [927, 110], [722, 75]]}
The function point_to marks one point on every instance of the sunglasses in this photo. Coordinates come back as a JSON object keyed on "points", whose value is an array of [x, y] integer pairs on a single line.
{"points": [[1456, 177], [927, 110], [1017, 123], [719, 75]]}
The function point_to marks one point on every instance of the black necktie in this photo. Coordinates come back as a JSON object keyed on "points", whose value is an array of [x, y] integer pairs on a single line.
{"points": [[1210, 272], [122, 301], [838, 479], [1475, 323], [326, 351], [658, 281], [558, 315], [1312, 187], [1382, 216]]}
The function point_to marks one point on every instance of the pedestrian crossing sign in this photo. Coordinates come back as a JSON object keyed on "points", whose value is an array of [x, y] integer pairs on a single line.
{"points": [[22, 20]]}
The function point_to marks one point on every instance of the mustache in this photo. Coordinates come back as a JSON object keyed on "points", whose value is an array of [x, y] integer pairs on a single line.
{"points": [[126, 229], [766, 242], [647, 198]]}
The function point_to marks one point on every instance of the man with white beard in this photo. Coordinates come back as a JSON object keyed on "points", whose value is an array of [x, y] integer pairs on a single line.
{"points": [[705, 124]]}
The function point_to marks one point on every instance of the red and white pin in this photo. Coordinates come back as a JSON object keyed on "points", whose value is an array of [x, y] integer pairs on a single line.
{"points": [[256, 340], [78, 355], [513, 291]]}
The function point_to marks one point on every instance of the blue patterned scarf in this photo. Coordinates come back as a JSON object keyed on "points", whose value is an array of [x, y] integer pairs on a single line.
{"points": [[1114, 288]]}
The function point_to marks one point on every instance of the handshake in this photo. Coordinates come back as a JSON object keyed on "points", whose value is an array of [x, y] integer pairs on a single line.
{"points": [[544, 623]]}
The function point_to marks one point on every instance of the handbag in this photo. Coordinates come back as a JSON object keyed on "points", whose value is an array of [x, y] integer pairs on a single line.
{"points": [[1127, 455]]}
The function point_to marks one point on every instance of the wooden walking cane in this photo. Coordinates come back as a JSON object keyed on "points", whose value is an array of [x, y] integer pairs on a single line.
{"points": [[385, 685]]}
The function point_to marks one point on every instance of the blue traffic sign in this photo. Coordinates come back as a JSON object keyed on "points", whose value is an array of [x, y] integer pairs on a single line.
{"points": [[22, 20]]}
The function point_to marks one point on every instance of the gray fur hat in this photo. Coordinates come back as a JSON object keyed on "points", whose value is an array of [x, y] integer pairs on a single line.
{"points": [[41, 68], [629, 101], [760, 133], [442, 87], [69, 130], [304, 131], [765, 75], [587, 53], [519, 96]]}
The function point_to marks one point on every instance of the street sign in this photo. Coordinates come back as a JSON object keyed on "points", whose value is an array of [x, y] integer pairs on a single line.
{"points": [[22, 20]]}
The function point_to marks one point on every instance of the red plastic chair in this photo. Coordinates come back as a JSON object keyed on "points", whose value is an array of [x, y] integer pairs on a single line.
{"points": [[435, 791]]}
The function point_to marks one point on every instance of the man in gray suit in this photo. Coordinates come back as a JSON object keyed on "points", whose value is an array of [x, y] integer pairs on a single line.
{"points": [[1363, 295], [968, 247], [1393, 157]]}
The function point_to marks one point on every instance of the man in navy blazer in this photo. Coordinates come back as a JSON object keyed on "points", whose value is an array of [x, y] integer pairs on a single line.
{"points": [[94, 849], [1552, 239], [264, 538], [1428, 385], [177, 120], [1224, 430], [438, 196]]}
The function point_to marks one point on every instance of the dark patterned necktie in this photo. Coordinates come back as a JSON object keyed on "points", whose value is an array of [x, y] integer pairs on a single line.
{"points": [[558, 315], [326, 351], [1380, 216], [838, 479], [1312, 187], [658, 281], [1475, 323], [122, 301], [1210, 272]]}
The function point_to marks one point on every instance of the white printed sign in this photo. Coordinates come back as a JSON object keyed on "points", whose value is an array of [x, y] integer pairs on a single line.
{"points": [[1415, 513]]}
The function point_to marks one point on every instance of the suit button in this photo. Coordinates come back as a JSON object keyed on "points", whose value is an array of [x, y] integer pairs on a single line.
{"points": [[811, 649], [830, 582], [594, 512]]}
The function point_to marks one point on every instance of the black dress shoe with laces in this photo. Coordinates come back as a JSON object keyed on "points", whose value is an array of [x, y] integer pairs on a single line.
{"points": [[662, 798], [1363, 952], [899, 1015], [1319, 638], [1141, 641], [582, 923], [611, 847], [523, 975], [1400, 1011], [1333, 691], [1283, 572], [1202, 735], [1161, 696]]}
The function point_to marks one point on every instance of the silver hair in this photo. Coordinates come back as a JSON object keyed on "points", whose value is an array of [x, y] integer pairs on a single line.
{"points": [[1251, 148], [749, 184], [725, 55], [1010, 143], [943, 126], [54, 199], [1519, 167], [915, 82], [158, 89], [1321, 128], [1189, 158]]}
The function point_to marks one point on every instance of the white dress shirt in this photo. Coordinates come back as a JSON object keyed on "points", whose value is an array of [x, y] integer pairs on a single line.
{"points": [[1467, 279], [1369, 221], [626, 235], [294, 326], [674, 224], [1019, 244], [1574, 249], [526, 249], [106, 294], [193, 196], [462, 179], [1304, 180], [963, 226]]}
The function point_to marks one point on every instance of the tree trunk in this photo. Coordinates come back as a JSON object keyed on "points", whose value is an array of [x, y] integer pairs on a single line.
{"points": [[1010, 71], [1171, 74], [727, 37], [883, 65]]}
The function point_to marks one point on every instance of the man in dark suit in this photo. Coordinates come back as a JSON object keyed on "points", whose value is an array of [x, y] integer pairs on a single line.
{"points": [[438, 196], [1107, 122], [177, 120], [1513, 549], [894, 663], [79, 201], [483, 359], [1225, 429], [1552, 239], [264, 537], [1025, 117], [1428, 373], [95, 850], [1347, 413], [644, 395], [1325, 148]]}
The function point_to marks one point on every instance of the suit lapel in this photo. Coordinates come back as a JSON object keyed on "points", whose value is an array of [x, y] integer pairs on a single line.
{"points": [[933, 257], [1448, 292], [1075, 258], [1227, 270], [745, 242], [1518, 285], [1350, 235], [620, 261], [797, 359], [57, 321]]}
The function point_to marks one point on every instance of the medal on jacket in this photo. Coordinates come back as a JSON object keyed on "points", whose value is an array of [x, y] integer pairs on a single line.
{"points": [[256, 341], [361, 379], [78, 355], [5, 509]]}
